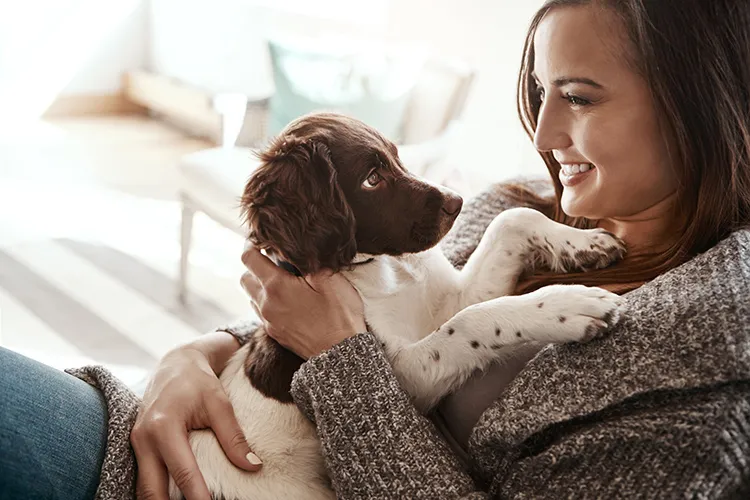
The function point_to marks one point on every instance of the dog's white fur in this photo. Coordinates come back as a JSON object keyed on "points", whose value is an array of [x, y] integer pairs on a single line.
{"points": [[411, 303]]}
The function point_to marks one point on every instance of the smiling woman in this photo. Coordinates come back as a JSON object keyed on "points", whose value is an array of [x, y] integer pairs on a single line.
{"points": [[599, 113], [633, 143]]}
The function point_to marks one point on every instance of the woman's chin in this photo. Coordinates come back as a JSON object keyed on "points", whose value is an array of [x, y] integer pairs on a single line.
{"points": [[575, 206]]}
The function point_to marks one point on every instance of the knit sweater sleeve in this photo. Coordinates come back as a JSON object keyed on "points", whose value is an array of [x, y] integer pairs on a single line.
{"points": [[241, 329], [690, 443], [375, 443]]}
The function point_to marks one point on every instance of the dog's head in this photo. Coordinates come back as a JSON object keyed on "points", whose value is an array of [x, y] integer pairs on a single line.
{"points": [[330, 186]]}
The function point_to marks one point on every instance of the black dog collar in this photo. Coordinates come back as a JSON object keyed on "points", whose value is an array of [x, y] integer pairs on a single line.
{"points": [[292, 269]]}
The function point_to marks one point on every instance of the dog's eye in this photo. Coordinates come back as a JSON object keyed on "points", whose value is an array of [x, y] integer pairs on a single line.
{"points": [[372, 180]]}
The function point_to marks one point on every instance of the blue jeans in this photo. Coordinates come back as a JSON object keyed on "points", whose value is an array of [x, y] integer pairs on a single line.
{"points": [[53, 432]]}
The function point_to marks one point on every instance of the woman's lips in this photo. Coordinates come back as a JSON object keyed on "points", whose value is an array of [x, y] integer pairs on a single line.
{"points": [[576, 178]]}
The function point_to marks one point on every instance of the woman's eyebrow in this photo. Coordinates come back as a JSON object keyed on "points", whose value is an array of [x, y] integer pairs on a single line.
{"points": [[559, 82]]}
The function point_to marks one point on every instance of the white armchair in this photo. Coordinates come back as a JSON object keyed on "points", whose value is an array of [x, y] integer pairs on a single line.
{"points": [[211, 181]]}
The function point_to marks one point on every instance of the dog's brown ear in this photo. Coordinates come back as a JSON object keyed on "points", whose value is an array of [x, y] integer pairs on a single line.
{"points": [[294, 205]]}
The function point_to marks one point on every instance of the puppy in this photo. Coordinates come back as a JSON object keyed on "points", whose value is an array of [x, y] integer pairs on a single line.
{"points": [[332, 193]]}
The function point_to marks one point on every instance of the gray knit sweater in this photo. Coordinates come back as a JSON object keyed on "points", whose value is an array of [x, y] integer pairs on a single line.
{"points": [[658, 408]]}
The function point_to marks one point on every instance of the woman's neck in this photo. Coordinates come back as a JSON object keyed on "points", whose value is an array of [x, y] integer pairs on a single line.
{"points": [[652, 230]]}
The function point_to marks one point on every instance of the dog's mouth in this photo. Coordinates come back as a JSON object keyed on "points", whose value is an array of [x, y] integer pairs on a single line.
{"points": [[446, 223], [427, 234]]}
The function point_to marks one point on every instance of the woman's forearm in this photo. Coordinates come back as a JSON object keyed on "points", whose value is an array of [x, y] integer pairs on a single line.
{"points": [[375, 443], [219, 345]]}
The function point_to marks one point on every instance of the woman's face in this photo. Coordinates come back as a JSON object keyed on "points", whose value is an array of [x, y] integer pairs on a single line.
{"points": [[597, 117]]}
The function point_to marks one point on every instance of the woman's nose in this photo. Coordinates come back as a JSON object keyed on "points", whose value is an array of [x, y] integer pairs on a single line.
{"points": [[551, 130]]}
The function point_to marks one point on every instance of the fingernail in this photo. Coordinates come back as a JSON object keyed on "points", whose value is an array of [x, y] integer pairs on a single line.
{"points": [[253, 459]]}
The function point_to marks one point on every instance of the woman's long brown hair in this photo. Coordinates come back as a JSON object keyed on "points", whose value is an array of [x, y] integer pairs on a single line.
{"points": [[695, 55]]}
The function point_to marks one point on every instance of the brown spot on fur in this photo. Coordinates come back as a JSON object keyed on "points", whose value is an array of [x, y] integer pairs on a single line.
{"points": [[270, 367], [451, 331], [591, 259], [474, 344], [568, 262], [497, 331], [562, 319], [436, 356], [592, 331], [540, 305]]}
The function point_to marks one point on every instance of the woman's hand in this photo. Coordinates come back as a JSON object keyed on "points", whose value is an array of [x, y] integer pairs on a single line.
{"points": [[184, 394], [306, 315]]}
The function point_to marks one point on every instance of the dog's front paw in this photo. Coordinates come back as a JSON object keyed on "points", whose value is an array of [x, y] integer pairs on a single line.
{"points": [[572, 313], [584, 249]]}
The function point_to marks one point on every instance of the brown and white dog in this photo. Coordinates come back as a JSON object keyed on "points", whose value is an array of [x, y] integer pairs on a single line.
{"points": [[331, 192]]}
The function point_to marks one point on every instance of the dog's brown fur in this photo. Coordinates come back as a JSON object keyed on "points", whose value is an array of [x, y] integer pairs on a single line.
{"points": [[306, 201]]}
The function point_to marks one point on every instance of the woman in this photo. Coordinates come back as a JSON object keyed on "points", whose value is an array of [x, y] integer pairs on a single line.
{"points": [[652, 98]]}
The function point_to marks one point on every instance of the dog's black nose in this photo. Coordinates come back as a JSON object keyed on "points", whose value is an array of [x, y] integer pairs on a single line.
{"points": [[452, 204]]}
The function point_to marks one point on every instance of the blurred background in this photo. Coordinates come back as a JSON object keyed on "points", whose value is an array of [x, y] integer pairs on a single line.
{"points": [[126, 130]]}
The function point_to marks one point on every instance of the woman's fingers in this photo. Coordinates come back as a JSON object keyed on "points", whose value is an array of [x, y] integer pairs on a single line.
{"points": [[182, 467], [254, 292], [251, 285], [152, 481], [258, 264], [229, 433]]}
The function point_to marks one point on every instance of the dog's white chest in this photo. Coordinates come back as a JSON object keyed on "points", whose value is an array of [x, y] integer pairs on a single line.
{"points": [[408, 297]]}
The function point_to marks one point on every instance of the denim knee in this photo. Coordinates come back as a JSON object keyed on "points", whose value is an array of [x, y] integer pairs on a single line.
{"points": [[53, 431]]}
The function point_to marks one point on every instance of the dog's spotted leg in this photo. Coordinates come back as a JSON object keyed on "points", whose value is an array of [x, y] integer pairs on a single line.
{"points": [[520, 240], [475, 337], [560, 248]]}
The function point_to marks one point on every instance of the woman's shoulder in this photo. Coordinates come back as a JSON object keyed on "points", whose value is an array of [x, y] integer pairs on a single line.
{"points": [[687, 329], [716, 273]]}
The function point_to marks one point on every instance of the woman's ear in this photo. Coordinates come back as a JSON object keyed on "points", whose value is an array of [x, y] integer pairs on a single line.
{"points": [[294, 205]]}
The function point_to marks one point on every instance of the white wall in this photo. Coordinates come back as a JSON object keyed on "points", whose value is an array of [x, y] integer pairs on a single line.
{"points": [[220, 45], [490, 34], [50, 48], [124, 47]]}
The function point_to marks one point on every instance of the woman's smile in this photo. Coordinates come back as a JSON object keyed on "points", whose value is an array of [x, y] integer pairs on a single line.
{"points": [[572, 174]]}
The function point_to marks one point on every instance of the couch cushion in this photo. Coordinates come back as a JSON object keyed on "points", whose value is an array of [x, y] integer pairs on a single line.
{"points": [[371, 83]]}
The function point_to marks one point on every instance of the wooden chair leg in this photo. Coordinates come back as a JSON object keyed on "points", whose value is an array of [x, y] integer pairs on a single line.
{"points": [[186, 231]]}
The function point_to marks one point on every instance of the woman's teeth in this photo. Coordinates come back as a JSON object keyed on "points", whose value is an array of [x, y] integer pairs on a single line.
{"points": [[576, 168]]}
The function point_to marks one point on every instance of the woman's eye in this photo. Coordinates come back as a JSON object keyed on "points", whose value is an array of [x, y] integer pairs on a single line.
{"points": [[576, 101], [372, 180]]}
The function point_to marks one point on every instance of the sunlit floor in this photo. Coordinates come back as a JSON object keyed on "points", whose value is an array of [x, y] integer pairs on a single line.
{"points": [[89, 232]]}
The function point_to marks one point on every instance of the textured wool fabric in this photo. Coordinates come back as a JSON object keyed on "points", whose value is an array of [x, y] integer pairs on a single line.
{"points": [[657, 408], [117, 477]]}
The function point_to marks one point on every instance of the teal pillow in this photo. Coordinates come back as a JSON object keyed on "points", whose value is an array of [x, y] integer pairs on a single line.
{"points": [[365, 82]]}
